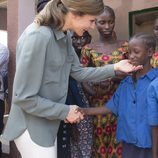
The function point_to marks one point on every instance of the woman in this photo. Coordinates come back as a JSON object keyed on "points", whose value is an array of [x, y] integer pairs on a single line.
{"points": [[45, 59], [75, 140], [82, 132], [108, 50]]}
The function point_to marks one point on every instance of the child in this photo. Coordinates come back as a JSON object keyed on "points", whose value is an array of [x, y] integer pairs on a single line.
{"points": [[152, 99], [129, 101]]}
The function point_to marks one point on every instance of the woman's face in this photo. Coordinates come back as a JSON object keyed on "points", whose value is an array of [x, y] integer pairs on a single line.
{"points": [[105, 24], [80, 24], [156, 29]]}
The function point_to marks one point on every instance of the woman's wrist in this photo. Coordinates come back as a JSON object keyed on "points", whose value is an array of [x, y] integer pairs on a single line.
{"points": [[116, 67]]}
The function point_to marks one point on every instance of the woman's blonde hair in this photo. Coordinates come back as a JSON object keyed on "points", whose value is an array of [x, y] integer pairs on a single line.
{"points": [[54, 12]]}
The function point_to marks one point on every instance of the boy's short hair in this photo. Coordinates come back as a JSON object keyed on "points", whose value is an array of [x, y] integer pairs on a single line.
{"points": [[147, 39]]}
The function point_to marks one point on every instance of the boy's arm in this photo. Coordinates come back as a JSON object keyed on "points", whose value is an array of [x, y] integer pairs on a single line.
{"points": [[111, 106], [94, 111], [155, 141]]}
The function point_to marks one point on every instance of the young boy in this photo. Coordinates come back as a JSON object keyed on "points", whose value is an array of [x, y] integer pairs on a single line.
{"points": [[152, 99], [129, 102]]}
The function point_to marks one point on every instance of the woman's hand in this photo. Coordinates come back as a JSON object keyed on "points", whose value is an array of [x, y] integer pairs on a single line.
{"points": [[74, 116], [125, 66]]}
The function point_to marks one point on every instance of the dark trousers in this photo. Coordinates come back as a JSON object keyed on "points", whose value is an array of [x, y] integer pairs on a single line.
{"points": [[2, 109]]}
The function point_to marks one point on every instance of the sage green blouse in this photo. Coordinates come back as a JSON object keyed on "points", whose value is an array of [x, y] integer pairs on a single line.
{"points": [[44, 60]]}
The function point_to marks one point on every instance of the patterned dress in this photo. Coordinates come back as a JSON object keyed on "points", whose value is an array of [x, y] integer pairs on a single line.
{"points": [[82, 132], [75, 140], [105, 144]]}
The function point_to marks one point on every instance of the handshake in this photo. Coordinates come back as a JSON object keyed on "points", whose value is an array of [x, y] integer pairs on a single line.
{"points": [[75, 115]]}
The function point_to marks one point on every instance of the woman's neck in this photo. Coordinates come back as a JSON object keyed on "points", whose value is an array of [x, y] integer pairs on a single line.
{"points": [[107, 40]]}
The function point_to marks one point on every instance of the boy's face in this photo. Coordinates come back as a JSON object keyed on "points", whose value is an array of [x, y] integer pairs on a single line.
{"points": [[138, 53]]}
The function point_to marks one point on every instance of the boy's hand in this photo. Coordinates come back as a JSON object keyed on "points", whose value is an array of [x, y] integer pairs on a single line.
{"points": [[83, 111]]}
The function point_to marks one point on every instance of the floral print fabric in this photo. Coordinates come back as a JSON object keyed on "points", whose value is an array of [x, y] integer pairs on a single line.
{"points": [[154, 59], [104, 141]]}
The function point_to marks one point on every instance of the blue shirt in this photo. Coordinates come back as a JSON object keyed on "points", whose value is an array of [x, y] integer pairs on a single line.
{"points": [[129, 103], [152, 99]]}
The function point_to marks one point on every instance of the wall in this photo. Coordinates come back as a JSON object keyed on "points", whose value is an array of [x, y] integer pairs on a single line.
{"points": [[26, 14], [3, 18], [145, 27], [122, 7]]}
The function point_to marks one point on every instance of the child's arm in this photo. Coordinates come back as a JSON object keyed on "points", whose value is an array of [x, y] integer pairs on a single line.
{"points": [[94, 111], [111, 106], [155, 141]]}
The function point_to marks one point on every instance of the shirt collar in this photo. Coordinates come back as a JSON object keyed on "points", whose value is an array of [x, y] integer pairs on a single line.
{"points": [[59, 34], [152, 74]]}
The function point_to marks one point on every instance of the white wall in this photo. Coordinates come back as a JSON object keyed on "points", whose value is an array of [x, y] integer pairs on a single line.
{"points": [[26, 14]]}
